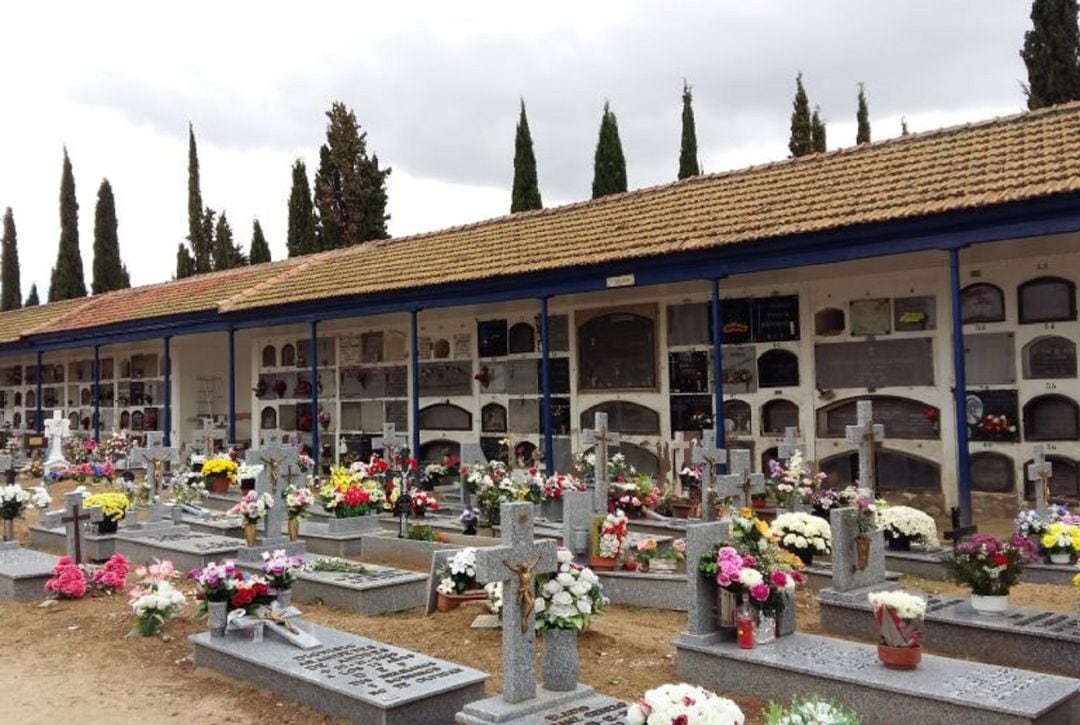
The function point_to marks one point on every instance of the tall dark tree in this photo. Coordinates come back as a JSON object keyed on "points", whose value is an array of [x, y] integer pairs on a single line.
{"points": [[32, 299], [328, 185], [688, 160], [903, 126], [10, 287], [609, 164], [225, 250], [526, 192], [817, 132], [185, 263], [109, 271], [260, 250], [350, 189], [197, 236], [301, 237], [801, 141], [1051, 53], [862, 118], [67, 276]]}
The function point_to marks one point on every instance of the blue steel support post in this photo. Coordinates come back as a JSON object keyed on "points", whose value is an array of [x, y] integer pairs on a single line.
{"points": [[313, 353], [39, 424], [963, 470], [167, 427], [414, 377], [718, 369], [545, 381], [97, 393], [232, 386]]}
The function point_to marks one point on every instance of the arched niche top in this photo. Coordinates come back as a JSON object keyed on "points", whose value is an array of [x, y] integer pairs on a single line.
{"points": [[493, 418], [982, 302], [740, 414], [642, 459], [1051, 417], [829, 322], [29, 398], [268, 419], [992, 472], [1046, 299], [904, 418], [896, 471], [1064, 484], [1049, 357], [435, 451], [269, 356], [624, 417], [288, 355], [444, 416], [778, 414], [522, 338], [778, 369], [769, 454]]}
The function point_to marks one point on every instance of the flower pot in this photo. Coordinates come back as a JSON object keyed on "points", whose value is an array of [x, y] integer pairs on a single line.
{"points": [[898, 542], [450, 602], [217, 484], [765, 631], [602, 563], [862, 553], [990, 605], [560, 663], [196, 467], [631, 564], [806, 555], [293, 527], [217, 614], [899, 658], [249, 533], [1060, 557], [682, 509], [418, 514], [107, 526]]}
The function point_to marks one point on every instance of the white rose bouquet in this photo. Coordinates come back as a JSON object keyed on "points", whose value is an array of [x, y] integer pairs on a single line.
{"points": [[570, 597], [683, 703]]}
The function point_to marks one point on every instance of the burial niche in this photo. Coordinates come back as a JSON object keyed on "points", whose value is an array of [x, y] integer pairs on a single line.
{"points": [[829, 322], [1051, 418], [522, 338], [1046, 299], [441, 349], [493, 418], [1064, 483], [691, 412], [982, 302], [902, 417], [269, 356], [776, 415], [267, 419], [769, 454], [896, 470], [29, 399], [739, 413], [491, 338], [435, 451], [688, 324], [642, 459], [1050, 356], [617, 350], [288, 356], [992, 472], [443, 416], [624, 417], [778, 369]]}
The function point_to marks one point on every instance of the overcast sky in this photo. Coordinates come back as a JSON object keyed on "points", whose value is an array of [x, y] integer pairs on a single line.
{"points": [[436, 86]]}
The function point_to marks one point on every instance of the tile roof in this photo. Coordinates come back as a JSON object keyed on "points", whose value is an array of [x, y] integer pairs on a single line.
{"points": [[16, 323]]}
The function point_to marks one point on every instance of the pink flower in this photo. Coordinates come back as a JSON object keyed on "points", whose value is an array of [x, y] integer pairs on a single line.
{"points": [[799, 578], [779, 579], [679, 545], [760, 592]]}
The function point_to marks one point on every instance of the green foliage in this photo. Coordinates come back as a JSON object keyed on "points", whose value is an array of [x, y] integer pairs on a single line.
{"points": [[609, 164], [67, 276], [862, 118], [301, 237], [10, 287], [260, 250], [227, 254], [688, 161], [109, 272], [421, 532], [332, 563], [1051, 53], [32, 299], [817, 132], [327, 233], [199, 237], [801, 141], [185, 264], [526, 192]]}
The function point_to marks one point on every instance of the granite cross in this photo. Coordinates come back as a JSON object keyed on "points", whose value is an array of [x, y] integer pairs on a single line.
{"points": [[791, 445], [740, 479], [273, 436], [153, 458], [709, 456], [209, 434], [390, 442], [516, 564], [7, 468], [865, 433], [275, 460], [1039, 473], [155, 438], [601, 438], [73, 522], [679, 446], [57, 429]]}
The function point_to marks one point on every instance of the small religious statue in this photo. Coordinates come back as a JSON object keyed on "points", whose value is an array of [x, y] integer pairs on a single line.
{"points": [[526, 595]]}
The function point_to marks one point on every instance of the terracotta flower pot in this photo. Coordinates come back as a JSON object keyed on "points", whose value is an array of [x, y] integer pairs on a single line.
{"points": [[218, 484], [900, 658], [450, 602], [602, 563]]}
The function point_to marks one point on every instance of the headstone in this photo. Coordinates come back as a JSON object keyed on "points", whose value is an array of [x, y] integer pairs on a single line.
{"points": [[846, 574], [741, 481], [865, 434], [710, 458], [601, 438], [702, 614], [153, 459], [791, 445], [273, 436], [577, 522], [277, 463], [439, 559], [1050, 357], [57, 429], [1039, 473], [73, 521]]}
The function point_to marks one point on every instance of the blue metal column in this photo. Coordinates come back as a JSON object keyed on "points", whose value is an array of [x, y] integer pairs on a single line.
{"points": [[545, 381], [97, 393], [963, 469], [414, 376], [313, 353], [232, 386], [39, 424], [167, 427], [718, 370]]}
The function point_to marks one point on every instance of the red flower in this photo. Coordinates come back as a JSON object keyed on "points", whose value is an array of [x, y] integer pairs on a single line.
{"points": [[1001, 560]]}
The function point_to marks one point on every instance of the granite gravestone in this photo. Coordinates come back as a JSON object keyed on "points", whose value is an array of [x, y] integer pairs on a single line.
{"points": [[601, 438], [577, 522], [278, 463], [471, 454], [679, 446], [702, 612], [865, 434], [847, 574], [791, 445], [710, 457]]}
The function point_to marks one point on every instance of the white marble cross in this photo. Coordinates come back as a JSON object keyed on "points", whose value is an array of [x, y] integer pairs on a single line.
{"points": [[709, 456], [1039, 472], [740, 480], [153, 459], [791, 445], [57, 429], [601, 438], [679, 444], [390, 442], [516, 564], [866, 433]]}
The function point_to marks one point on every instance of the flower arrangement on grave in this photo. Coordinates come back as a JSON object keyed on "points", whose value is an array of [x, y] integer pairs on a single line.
{"points": [[112, 575], [1060, 542], [189, 488], [81, 450], [281, 570], [989, 566], [633, 494], [701, 420], [215, 583], [260, 389], [220, 473], [651, 556], [904, 526], [735, 376], [468, 520], [280, 387], [794, 484], [867, 509], [420, 502], [92, 471], [114, 505], [932, 415], [348, 493], [13, 444], [1031, 524], [153, 602], [690, 476], [40, 498], [608, 538], [570, 598], [899, 618], [619, 471], [14, 500], [810, 711], [457, 581], [423, 532], [997, 426], [302, 389], [68, 580], [803, 535], [764, 579], [324, 418], [434, 472], [305, 421], [118, 446], [684, 704], [558, 484], [252, 507], [298, 500], [752, 533]]}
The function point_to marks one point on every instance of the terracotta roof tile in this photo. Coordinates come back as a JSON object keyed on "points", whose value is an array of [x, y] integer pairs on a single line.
{"points": [[16, 323]]}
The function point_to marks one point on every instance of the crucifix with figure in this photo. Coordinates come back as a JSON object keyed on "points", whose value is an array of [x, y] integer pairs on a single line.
{"points": [[709, 456], [153, 459], [516, 564], [276, 460], [866, 433], [740, 480], [600, 437], [1039, 472], [209, 435], [390, 442], [73, 521]]}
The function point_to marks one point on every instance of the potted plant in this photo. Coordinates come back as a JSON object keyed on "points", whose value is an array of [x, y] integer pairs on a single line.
{"points": [[420, 502], [608, 534], [114, 506], [652, 558], [298, 501], [281, 572], [904, 526], [1060, 542], [899, 617], [252, 508], [568, 600], [990, 567], [220, 473], [350, 493], [803, 535], [13, 501], [457, 581], [683, 703]]}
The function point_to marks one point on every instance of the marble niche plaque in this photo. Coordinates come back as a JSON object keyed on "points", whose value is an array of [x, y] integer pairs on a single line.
{"points": [[871, 317], [443, 379], [1050, 357], [990, 359], [739, 369], [524, 416], [875, 363]]}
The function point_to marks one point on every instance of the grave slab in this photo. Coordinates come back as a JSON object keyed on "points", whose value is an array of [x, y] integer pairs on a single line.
{"points": [[338, 537], [414, 554], [642, 589], [23, 573], [354, 678], [95, 547], [582, 706], [926, 563], [378, 590], [940, 690], [186, 549]]}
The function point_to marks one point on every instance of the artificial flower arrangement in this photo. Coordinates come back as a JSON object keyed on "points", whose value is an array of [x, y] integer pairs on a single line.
{"points": [[112, 575], [94, 471], [350, 493], [996, 426], [765, 578], [988, 565], [794, 484], [40, 498], [468, 520], [647, 551], [253, 506], [154, 600], [803, 534], [1060, 542], [494, 592], [1030, 523], [810, 711], [458, 575], [560, 483], [13, 501], [421, 502], [633, 495], [683, 704], [904, 525], [68, 580], [114, 505], [188, 487], [81, 450], [226, 583], [752, 532], [281, 570], [617, 469], [298, 501], [225, 467], [494, 484], [899, 618], [609, 535], [570, 598]]}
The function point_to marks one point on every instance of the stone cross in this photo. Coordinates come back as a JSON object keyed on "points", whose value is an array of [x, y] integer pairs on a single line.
{"points": [[57, 429], [679, 445], [273, 436], [153, 458], [865, 433], [1039, 473], [702, 608], [7, 468], [276, 460], [577, 522], [390, 442], [601, 438], [710, 457], [516, 564], [155, 438], [471, 454], [209, 434], [73, 522], [791, 445], [740, 480]]}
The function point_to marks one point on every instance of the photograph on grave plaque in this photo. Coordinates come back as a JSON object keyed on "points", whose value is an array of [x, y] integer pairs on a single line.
{"points": [[1051, 418], [914, 314], [691, 412], [903, 418], [829, 322], [1049, 357], [993, 415], [689, 324], [990, 358], [736, 320], [689, 372], [992, 472], [617, 350], [1046, 299], [491, 338], [740, 369], [871, 317], [462, 346], [778, 369], [982, 302], [1064, 484], [776, 319]]}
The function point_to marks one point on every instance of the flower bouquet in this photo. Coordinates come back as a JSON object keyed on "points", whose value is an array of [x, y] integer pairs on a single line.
{"points": [[812, 711], [794, 484], [252, 508], [608, 535], [457, 581], [899, 617], [114, 506], [281, 571], [68, 580], [803, 535], [112, 576], [297, 501], [753, 533], [349, 493], [1031, 524], [651, 557], [188, 488], [568, 600], [990, 567], [222, 589], [557, 485], [867, 509], [766, 579], [420, 502], [13, 502], [904, 526], [469, 519], [1060, 542], [683, 703], [40, 498], [220, 473], [494, 592], [154, 603]]}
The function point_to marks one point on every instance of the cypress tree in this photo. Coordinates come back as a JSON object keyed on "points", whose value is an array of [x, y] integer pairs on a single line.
{"points": [[903, 126], [801, 141], [197, 233], [10, 287], [301, 236], [67, 276], [223, 244], [817, 132], [862, 117], [609, 164], [526, 191], [32, 298], [1051, 53], [185, 265], [327, 189], [260, 250], [688, 161], [109, 272]]}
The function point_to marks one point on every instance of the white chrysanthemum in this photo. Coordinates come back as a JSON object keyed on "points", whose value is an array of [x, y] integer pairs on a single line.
{"points": [[562, 598], [564, 556], [552, 587], [565, 579]]}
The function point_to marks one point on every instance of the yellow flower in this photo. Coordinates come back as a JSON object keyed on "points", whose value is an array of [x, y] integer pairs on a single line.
{"points": [[1048, 540], [220, 467], [1076, 580], [762, 528], [113, 505]]}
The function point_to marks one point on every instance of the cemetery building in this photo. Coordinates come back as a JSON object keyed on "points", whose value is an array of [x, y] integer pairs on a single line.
{"points": [[933, 274]]}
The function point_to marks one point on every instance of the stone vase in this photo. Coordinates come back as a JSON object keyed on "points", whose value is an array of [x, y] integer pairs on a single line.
{"points": [[217, 484], [217, 615], [862, 553], [293, 526], [560, 663], [990, 605]]}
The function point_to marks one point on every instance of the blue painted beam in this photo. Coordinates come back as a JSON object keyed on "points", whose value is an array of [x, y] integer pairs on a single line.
{"points": [[963, 464], [167, 427], [545, 382], [39, 424], [313, 353], [97, 393], [232, 386], [718, 369], [414, 376]]}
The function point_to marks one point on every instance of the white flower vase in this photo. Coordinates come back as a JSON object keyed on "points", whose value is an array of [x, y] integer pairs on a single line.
{"points": [[217, 616], [765, 632], [560, 663], [990, 605], [284, 598], [1060, 557]]}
